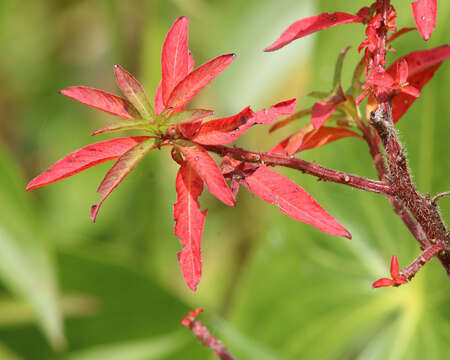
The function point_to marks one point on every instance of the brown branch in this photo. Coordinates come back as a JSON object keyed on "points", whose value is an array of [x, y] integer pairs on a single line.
{"points": [[306, 167], [205, 337], [410, 271]]}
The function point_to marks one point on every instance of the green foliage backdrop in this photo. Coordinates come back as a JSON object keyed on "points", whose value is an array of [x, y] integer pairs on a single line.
{"points": [[272, 288]]}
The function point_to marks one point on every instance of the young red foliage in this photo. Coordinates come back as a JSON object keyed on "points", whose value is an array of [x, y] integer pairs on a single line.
{"points": [[102, 100], [396, 278], [282, 108], [321, 111], [189, 221], [174, 57], [312, 24], [191, 85], [85, 158], [205, 166], [292, 200], [421, 67], [425, 12]]}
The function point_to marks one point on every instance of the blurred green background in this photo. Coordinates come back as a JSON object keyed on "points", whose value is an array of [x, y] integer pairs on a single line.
{"points": [[272, 288]]}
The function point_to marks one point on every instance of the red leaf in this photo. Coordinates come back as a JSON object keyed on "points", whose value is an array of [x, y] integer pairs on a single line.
{"points": [[394, 267], [224, 130], [398, 33], [191, 62], [175, 57], [312, 24], [289, 119], [189, 224], [402, 101], [424, 12], [321, 111], [102, 100], [191, 85], [291, 144], [85, 158], [134, 91], [383, 283], [205, 166], [323, 136], [159, 104], [419, 61], [119, 171], [282, 108], [292, 200]]}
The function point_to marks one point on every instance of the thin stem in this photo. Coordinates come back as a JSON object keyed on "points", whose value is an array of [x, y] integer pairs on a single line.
{"points": [[204, 336], [320, 172], [410, 271]]}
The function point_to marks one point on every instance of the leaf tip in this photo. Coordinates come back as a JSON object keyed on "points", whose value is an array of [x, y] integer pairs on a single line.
{"points": [[348, 235], [94, 211]]}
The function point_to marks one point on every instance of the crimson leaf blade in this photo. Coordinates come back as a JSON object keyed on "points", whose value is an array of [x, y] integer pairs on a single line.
{"points": [[101, 100], [192, 84], [292, 200], [85, 158], [189, 222], [312, 24], [175, 57], [205, 166], [424, 12]]}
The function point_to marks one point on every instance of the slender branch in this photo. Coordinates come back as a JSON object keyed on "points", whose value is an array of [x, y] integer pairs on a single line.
{"points": [[204, 336], [306, 167], [410, 271], [378, 161], [438, 196]]}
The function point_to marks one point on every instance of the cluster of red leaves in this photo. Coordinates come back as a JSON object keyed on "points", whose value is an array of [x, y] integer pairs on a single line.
{"points": [[169, 123], [396, 278], [402, 81]]}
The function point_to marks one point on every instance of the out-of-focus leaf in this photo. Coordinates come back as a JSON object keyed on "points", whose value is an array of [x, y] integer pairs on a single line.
{"points": [[189, 115], [310, 25], [26, 265], [298, 115], [425, 16], [121, 125]]}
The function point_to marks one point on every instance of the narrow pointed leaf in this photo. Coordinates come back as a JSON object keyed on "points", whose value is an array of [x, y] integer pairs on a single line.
{"points": [[224, 130], [321, 111], [191, 62], [399, 33], [119, 171], [394, 267], [134, 91], [205, 166], [424, 12], [384, 282], [312, 24], [191, 85], [85, 158], [189, 224], [292, 200], [175, 57], [189, 115], [121, 125], [282, 108], [298, 115], [101, 100]]}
